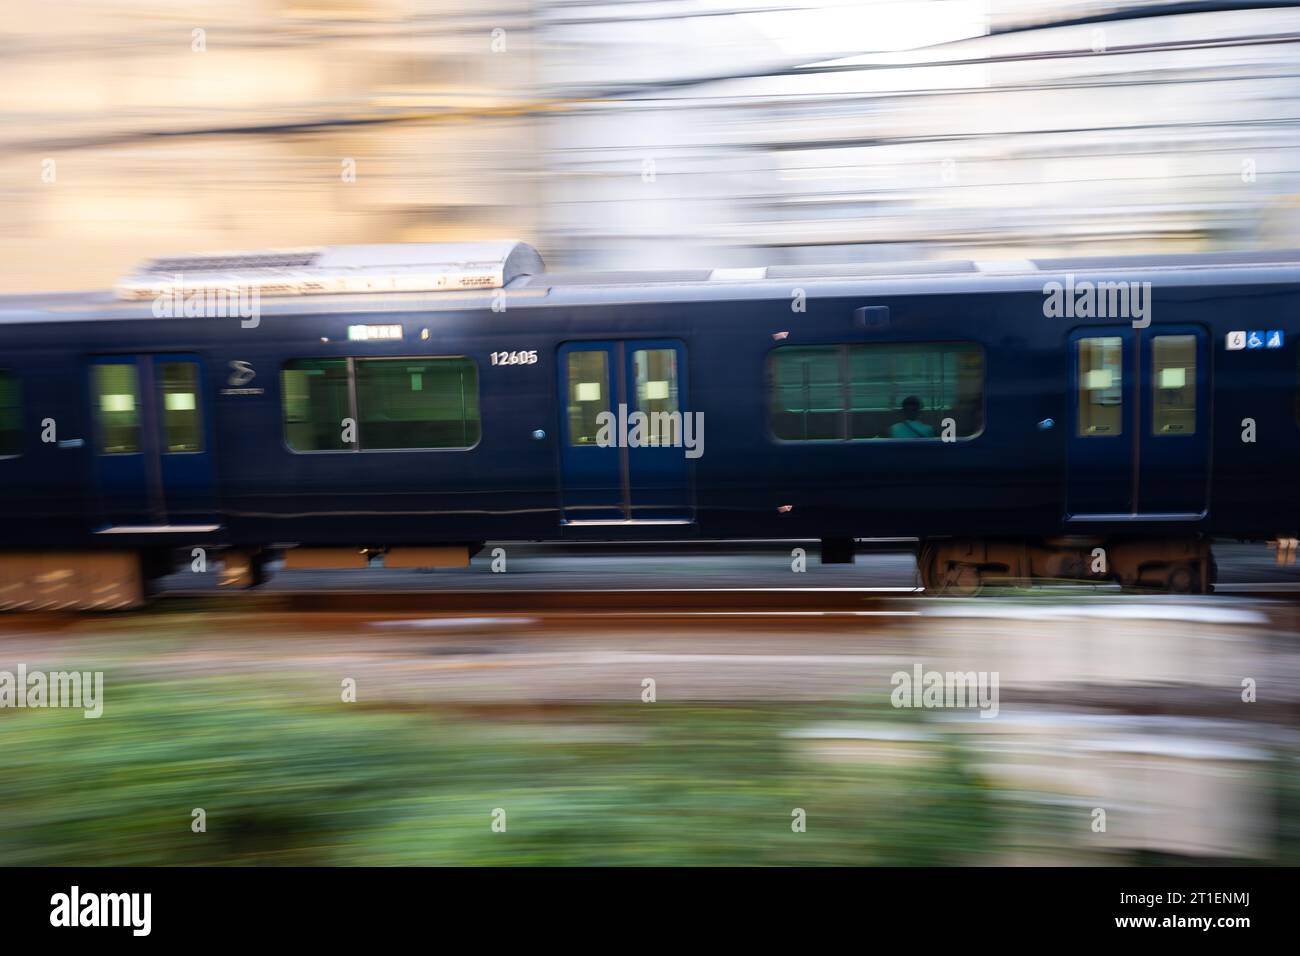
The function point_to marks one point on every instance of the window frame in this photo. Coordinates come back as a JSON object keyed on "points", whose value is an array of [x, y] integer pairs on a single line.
{"points": [[139, 395], [22, 437], [199, 409], [1295, 365], [843, 350], [1077, 377], [653, 438], [607, 383], [1194, 386], [351, 367]]}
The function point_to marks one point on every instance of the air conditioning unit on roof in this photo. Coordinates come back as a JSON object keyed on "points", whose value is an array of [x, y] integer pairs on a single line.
{"points": [[335, 270]]}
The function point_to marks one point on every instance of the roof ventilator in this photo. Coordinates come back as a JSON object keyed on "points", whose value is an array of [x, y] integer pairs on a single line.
{"points": [[335, 270]]}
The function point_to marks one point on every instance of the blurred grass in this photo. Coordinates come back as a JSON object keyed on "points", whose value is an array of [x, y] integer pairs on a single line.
{"points": [[288, 783]]}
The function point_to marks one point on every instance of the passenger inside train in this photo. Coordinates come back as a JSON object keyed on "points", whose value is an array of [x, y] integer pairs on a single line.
{"points": [[911, 426]]}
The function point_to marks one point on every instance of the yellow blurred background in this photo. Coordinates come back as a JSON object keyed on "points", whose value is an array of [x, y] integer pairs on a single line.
{"points": [[640, 134]]}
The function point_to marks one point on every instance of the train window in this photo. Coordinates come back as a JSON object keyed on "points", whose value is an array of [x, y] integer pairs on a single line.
{"points": [[905, 391], [588, 377], [656, 393], [1173, 385], [117, 408], [417, 402], [182, 425], [316, 397], [1101, 386], [806, 392], [890, 391], [11, 416]]}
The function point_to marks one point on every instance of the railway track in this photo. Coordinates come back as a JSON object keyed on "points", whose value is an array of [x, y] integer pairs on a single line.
{"points": [[642, 602]]}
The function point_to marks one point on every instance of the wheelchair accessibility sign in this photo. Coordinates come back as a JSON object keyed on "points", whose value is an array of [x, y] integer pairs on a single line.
{"points": [[1271, 339]]}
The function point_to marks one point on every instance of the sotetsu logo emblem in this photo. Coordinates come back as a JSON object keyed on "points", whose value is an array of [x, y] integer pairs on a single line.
{"points": [[241, 373]]}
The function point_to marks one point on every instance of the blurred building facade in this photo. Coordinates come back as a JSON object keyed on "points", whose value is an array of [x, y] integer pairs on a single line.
{"points": [[641, 134]]}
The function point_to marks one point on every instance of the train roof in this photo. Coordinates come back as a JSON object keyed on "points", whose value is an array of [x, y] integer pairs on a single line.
{"points": [[418, 277]]}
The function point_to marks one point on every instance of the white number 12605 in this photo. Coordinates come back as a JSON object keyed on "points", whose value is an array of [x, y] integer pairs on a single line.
{"points": [[515, 358]]}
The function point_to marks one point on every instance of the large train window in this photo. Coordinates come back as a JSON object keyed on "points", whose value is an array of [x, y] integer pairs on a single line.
{"points": [[905, 391], [588, 378], [896, 391], [1173, 386], [315, 395], [1101, 386], [391, 403], [11, 416], [117, 406], [806, 392], [417, 403]]}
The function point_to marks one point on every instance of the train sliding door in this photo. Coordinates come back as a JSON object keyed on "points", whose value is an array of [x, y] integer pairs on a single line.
{"points": [[1139, 444], [624, 432], [152, 443]]}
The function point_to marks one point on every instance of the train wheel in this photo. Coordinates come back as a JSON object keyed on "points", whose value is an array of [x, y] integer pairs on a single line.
{"points": [[242, 568], [963, 580], [1183, 579], [1174, 565], [941, 576]]}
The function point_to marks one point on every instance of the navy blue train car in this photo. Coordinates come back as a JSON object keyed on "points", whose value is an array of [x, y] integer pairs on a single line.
{"points": [[1093, 418]]}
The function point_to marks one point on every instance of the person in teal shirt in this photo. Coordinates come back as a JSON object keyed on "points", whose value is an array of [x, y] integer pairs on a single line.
{"points": [[911, 426]]}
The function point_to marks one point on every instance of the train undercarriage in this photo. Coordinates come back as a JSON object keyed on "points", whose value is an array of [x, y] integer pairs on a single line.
{"points": [[957, 566], [120, 580]]}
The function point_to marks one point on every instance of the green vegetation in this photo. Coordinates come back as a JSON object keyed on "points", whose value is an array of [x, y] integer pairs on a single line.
{"points": [[285, 783]]}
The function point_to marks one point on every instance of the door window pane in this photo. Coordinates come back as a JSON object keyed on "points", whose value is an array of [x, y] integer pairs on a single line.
{"points": [[656, 394], [417, 403], [588, 377], [11, 415], [182, 424], [806, 393], [117, 408], [1173, 385], [1101, 394], [315, 397]]}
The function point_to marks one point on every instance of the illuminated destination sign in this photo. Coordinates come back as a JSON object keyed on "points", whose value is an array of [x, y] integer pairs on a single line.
{"points": [[374, 333]]}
